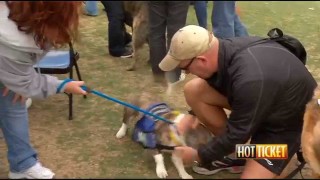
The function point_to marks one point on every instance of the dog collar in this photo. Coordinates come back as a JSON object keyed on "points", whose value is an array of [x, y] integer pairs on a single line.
{"points": [[177, 113]]}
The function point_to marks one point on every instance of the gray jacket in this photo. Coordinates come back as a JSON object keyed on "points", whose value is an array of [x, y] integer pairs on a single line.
{"points": [[18, 54]]}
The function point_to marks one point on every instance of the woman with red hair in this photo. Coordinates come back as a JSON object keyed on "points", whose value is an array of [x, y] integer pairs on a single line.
{"points": [[28, 29]]}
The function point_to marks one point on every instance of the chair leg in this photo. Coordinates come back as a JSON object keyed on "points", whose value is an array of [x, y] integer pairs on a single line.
{"points": [[78, 74], [70, 98], [70, 106]]}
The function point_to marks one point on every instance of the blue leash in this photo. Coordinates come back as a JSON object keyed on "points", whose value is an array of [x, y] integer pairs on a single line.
{"points": [[124, 103]]}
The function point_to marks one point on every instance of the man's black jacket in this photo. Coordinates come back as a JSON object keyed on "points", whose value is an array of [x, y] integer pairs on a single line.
{"points": [[266, 85]]}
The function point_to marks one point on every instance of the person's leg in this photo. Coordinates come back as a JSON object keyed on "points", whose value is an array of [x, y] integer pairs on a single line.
{"points": [[157, 36], [15, 127], [207, 104], [176, 19], [254, 170], [92, 8], [116, 27], [239, 28], [223, 16], [289, 134], [128, 20], [200, 8]]}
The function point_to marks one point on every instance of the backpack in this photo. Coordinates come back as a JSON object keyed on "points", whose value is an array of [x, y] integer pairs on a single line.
{"points": [[289, 42]]}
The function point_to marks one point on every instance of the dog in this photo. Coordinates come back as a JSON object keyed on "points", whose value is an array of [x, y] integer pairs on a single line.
{"points": [[165, 135], [310, 137], [140, 26]]}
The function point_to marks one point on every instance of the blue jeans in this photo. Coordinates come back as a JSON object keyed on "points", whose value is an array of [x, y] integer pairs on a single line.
{"points": [[225, 22], [200, 8], [15, 127], [118, 37], [92, 8]]}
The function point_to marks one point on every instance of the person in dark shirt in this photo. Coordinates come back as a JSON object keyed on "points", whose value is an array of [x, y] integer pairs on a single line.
{"points": [[265, 87]]}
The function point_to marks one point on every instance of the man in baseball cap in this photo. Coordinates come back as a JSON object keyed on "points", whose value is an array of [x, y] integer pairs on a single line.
{"points": [[264, 85]]}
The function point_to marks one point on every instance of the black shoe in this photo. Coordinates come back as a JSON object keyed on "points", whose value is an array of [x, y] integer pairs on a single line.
{"points": [[127, 54], [234, 166], [129, 45]]}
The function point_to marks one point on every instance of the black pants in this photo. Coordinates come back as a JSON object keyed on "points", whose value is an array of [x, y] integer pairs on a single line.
{"points": [[165, 17], [117, 34], [290, 135]]}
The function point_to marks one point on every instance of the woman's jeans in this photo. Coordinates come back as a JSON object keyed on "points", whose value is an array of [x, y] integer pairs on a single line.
{"points": [[200, 8], [15, 127], [225, 21], [92, 8]]}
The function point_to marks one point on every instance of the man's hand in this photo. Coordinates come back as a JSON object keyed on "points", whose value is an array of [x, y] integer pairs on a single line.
{"points": [[16, 97], [187, 154]]}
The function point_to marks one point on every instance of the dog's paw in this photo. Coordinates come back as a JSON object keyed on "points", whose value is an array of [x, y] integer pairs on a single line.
{"points": [[186, 176], [122, 131], [120, 134], [161, 172]]}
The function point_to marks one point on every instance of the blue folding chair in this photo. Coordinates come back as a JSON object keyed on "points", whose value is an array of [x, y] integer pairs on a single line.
{"points": [[61, 62]]}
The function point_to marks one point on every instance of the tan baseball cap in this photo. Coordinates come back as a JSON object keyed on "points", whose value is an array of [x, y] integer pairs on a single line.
{"points": [[187, 43]]}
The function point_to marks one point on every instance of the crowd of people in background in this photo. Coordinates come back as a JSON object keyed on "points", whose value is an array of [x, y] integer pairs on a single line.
{"points": [[166, 17]]}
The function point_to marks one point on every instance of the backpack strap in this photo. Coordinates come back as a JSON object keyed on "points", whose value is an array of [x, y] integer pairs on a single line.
{"points": [[264, 40], [274, 34]]}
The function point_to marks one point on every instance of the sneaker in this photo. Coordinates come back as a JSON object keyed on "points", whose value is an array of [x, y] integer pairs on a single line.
{"points": [[129, 45], [35, 172], [234, 166], [28, 102], [127, 54]]}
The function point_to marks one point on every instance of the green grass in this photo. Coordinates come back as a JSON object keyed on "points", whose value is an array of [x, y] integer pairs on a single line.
{"points": [[86, 147]]}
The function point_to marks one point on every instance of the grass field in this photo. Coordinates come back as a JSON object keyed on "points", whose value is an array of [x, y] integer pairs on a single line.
{"points": [[86, 147]]}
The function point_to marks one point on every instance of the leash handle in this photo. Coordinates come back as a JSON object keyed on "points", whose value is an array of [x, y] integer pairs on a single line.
{"points": [[89, 90]]}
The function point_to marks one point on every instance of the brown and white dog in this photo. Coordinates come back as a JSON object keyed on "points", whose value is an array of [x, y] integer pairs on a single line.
{"points": [[310, 138], [167, 135], [140, 26]]}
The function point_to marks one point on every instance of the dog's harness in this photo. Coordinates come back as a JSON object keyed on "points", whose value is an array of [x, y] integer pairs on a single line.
{"points": [[144, 131]]}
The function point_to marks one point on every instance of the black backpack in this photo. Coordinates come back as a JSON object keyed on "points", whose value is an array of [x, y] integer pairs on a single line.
{"points": [[289, 42]]}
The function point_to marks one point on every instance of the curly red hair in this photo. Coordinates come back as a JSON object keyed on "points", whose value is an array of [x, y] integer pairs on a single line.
{"points": [[51, 22]]}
